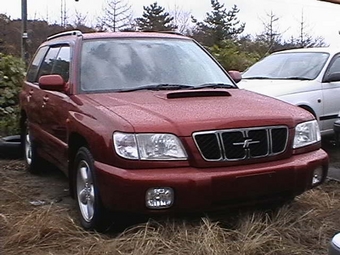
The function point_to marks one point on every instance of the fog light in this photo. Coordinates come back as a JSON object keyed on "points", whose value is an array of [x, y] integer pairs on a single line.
{"points": [[159, 198], [317, 176]]}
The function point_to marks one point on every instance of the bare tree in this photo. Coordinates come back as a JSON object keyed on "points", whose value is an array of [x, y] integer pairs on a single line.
{"points": [[182, 19], [117, 16], [6, 32], [80, 19], [305, 40], [63, 13], [271, 34]]}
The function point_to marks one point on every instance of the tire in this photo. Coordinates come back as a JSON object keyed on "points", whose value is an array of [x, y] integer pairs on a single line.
{"points": [[336, 128], [34, 163], [93, 216], [10, 147]]}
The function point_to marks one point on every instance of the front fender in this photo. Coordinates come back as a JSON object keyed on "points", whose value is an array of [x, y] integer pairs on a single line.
{"points": [[97, 135]]}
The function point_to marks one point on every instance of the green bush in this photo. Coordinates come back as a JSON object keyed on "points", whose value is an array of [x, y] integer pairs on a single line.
{"points": [[12, 72], [231, 57]]}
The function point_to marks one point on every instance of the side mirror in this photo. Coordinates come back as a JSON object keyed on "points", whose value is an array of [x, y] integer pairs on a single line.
{"points": [[333, 77], [52, 82], [235, 75]]}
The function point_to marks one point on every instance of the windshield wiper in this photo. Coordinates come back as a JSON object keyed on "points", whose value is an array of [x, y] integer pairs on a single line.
{"points": [[162, 86], [214, 85], [296, 78], [169, 86], [276, 78], [258, 78]]}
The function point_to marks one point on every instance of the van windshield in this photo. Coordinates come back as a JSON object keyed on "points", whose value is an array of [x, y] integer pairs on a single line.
{"points": [[125, 64]]}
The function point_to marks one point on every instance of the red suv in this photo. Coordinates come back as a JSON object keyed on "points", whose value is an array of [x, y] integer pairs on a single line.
{"points": [[150, 123]]}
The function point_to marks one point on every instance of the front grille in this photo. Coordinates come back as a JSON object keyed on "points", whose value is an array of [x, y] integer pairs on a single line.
{"points": [[241, 144]]}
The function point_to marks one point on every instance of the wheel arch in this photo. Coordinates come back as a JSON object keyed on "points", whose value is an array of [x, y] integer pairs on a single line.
{"points": [[75, 141], [309, 109]]}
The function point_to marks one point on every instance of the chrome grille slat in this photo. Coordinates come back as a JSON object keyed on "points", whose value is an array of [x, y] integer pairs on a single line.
{"points": [[241, 144]]}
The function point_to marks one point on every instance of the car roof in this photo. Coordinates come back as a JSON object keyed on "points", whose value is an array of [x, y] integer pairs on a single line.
{"points": [[74, 34], [330, 50], [132, 34]]}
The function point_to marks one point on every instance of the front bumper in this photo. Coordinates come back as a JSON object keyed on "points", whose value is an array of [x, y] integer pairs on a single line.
{"points": [[205, 189]]}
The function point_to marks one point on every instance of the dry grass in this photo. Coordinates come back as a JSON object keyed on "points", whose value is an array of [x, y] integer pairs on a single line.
{"points": [[303, 227]]}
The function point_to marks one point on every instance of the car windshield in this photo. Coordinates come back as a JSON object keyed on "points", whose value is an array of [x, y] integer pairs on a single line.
{"points": [[292, 65], [129, 64]]}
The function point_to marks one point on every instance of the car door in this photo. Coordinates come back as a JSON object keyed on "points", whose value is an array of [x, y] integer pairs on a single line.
{"points": [[331, 95], [35, 113], [31, 95], [55, 108]]}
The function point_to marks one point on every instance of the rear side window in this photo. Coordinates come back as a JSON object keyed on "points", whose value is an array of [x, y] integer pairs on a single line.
{"points": [[34, 67]]}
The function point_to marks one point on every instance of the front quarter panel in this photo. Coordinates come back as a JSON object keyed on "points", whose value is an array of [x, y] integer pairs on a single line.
{"points": [[311, 100], [98, 135]]}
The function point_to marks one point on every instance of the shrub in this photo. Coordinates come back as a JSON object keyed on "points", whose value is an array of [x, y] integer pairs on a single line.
{"points": [[12, 71], [231, 57]]}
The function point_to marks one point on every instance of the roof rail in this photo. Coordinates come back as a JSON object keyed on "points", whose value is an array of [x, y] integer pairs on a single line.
{"points": [[72, 32]]}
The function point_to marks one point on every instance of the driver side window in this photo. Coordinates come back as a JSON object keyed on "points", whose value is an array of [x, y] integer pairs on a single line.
{"points": [[335, 66], [56, 61]]}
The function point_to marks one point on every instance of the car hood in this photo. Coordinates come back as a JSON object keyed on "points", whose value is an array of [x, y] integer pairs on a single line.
{"points": [[274, 88], [184, 112]]}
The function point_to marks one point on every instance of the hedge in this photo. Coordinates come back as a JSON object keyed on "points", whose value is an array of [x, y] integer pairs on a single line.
{"points": [[12, 72]]}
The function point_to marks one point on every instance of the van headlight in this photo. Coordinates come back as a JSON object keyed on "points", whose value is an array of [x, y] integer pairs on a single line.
{"points": [[149, 146], [306, 133]]}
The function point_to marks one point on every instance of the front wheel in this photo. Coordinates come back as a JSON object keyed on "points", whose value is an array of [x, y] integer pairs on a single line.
{"points": [[93, 215]]}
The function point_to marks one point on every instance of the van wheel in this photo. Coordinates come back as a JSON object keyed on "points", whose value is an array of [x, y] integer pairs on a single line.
{"points": [[33, 161], [93, 215]]}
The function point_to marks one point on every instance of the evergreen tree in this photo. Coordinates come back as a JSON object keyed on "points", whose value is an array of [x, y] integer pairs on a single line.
{"points": [[218, 25], [231, 56], [155, 19]]}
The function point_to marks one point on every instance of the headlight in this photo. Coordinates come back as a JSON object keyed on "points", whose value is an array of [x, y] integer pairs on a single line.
{"points": [[306, 133], [125, 145], [149, 146]]}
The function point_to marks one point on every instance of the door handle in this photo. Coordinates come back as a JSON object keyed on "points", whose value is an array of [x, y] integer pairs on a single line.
{"points": [[30, 93], [45, 100]]}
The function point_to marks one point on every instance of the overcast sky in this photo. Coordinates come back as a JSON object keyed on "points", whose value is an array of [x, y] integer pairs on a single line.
{"points": [[321, 18]]}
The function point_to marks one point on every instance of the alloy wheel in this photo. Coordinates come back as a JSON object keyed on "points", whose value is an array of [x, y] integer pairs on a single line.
{"points": [[85, 191], [28, 148]]}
